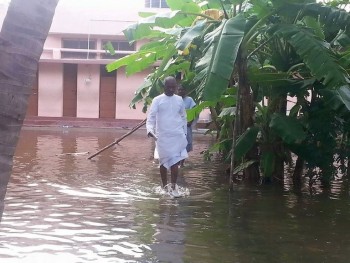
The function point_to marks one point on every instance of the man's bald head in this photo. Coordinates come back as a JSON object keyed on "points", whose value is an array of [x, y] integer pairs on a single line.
{"points": [[170, 86]]}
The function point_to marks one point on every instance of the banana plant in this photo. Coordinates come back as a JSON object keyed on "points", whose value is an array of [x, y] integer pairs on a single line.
{"points": [[272, 49]]}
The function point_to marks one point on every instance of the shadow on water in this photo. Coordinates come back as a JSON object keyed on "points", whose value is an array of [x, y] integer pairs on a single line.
{"points": [[61, 207]]}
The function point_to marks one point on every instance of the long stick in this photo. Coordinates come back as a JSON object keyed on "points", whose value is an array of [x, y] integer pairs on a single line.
{"points": [[118, 140]]}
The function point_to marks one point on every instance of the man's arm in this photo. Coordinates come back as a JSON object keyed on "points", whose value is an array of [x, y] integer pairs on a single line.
{"points": [[192, 105], [151, 119], [183, 115]]}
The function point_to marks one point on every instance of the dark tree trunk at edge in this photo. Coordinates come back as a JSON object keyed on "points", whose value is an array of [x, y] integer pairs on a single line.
{"points": [[22, 38]]}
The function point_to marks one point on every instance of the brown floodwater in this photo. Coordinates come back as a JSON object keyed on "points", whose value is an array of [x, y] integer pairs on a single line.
{"points": [[62, 207]]}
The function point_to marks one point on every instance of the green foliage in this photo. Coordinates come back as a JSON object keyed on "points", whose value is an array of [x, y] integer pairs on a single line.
{"points": [[216, 66], [267, 163], [195, 111], [190, 35], [245, 142], [316, 55], [288, 128], [292, 49], [243, 166]]}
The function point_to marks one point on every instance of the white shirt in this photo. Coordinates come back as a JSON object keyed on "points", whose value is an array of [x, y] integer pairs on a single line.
{"points": [[167, 119]]}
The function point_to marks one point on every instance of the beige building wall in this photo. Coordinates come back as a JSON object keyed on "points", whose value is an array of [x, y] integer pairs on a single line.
{"points": [[90, 24], [88, 91], [126, 87], [50, 89]]}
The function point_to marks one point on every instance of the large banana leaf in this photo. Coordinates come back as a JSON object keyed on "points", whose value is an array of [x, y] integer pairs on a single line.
{"points": [[140, 60], [195, 111], [184, 5], [246, 141], [338, 98], [279, 82], [333, 19], [288, 128], [139, 94], [267, 163], [144, 28], [191, 34], [328, 15], [217, 64], [316, 55], [230, 111], [343, 93]]}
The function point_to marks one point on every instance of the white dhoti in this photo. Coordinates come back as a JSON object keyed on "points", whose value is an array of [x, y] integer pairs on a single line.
{"points": [[171, 150], [167, 117]]}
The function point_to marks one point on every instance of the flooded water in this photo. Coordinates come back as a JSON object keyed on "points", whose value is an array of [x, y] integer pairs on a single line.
{"points": [[61, 207]]}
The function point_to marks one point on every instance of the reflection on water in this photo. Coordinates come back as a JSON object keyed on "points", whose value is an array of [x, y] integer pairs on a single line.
{"points": [[61, 207]]}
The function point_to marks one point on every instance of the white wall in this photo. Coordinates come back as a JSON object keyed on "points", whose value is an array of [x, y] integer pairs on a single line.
{"points": [[50, 82]]}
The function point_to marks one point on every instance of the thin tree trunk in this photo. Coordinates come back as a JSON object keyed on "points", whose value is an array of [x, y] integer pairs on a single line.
{"points": [[234, 139], [214, 118], [279, 151], [247, 114], [22, 38], [298, 170]]}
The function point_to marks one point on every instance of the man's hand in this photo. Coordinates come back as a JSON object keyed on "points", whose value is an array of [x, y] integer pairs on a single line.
{"points": [[151, 134]]}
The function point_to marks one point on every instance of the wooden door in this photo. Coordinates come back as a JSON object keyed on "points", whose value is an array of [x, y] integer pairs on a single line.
{"points": [[70, 72], [32, 109], [107, 93]]}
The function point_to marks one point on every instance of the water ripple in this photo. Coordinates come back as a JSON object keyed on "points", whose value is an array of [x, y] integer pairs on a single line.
{"points": [[65, 208]]}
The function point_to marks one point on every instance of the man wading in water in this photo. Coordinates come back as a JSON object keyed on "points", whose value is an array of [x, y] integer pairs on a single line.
{"points": [[167, 120], [189, 104]]}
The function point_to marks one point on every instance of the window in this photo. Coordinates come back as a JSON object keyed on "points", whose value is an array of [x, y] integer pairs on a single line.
{"points": [[78, 44], [118, 46], [156, 4]]}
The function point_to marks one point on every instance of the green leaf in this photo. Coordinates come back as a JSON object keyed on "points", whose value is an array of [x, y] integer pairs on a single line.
{"points": [[191, 34], [338, 98], [344, 96], [187, 8], [109, 48], [330, 16], [316, 56], [288, 128], [228, 100], [267, 163], [246, 141], [175, 66], [243, 166], [294, 111], [140, 92], [221, 57], [140, 60], [195, 111], [315, 25], [268, 78], [144, 28], [146, 14], [184, 5], [231, 111]]}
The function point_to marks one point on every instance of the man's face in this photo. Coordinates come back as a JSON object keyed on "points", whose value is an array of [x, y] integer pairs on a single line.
{"points": [[170, 87], [181, 92]]}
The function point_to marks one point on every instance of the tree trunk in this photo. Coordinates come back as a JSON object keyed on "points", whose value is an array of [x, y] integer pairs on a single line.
{"points": [[279, 104], [298, 171], [246, 114], [22, 38]]}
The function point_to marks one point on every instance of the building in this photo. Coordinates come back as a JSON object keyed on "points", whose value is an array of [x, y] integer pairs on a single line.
{"points": [[72, 86]]}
